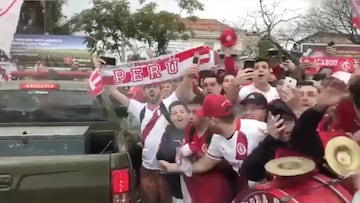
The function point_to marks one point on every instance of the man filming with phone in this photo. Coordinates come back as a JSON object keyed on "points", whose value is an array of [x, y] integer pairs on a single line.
{"points": [[289, 136], [257, 74]]}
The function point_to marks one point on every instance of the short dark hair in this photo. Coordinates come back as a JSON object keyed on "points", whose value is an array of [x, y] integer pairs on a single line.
{"points": [[228, 119], [198, 99], [211, 74], [261, 59], [178, 103], [307, 83]]}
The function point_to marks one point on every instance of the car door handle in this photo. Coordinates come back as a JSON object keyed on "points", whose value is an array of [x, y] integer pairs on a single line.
{"points": [[5, 180]]}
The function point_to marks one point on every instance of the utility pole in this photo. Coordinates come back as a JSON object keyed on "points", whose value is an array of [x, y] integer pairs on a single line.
{"points": [[43, 3]]}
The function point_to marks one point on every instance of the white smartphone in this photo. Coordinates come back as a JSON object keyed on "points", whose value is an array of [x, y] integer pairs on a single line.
{"points": [[290, 82], [343, 76]]}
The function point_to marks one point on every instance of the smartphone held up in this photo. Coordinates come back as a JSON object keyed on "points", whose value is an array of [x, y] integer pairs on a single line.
{"points": [[196, 58], [249, 64], [290, 82]]}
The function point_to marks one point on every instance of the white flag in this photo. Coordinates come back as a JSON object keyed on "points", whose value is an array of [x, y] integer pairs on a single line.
{"points": [[9, 17]]}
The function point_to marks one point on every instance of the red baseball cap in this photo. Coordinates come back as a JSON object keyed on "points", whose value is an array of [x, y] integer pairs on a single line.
{"points": [[136, 93], [228, 38], [215, 105]]}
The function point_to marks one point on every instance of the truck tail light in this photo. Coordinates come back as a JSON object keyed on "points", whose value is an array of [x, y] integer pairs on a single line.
{"points": [[39, 86], [120, 183]]}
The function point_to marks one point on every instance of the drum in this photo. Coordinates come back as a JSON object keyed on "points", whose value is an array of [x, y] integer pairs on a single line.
{"points": [[315, 189]]}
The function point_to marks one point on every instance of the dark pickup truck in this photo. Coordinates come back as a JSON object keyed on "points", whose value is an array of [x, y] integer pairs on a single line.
{"points": [[59, 144]]}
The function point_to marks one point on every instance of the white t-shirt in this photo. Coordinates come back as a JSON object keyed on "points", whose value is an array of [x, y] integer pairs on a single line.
{"points": [[270, 95], [152, 141], [220, 147]]}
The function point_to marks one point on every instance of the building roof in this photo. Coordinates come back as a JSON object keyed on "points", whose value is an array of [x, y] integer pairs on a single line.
{"points": [[204, 24], [327, 35]]}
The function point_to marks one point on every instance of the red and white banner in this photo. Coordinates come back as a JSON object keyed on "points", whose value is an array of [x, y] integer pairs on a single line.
{"points": [[159, 69], [345, 64], [96, 85], [9, 17]]}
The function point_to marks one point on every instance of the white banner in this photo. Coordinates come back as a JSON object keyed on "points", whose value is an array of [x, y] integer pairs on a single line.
{"points": [[159, 69]]}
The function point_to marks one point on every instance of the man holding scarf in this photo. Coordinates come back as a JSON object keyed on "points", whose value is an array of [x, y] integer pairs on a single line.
{"points": [[153, 118]]}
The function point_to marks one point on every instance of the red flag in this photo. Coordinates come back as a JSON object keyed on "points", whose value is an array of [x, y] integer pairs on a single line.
{"points": [[96, 85]]}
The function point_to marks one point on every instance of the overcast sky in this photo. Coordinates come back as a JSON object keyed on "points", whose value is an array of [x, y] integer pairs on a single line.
{"points": [[229, 10]]}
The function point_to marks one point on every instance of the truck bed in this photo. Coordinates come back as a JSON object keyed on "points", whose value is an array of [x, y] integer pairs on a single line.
{"points": [[58, 179]]}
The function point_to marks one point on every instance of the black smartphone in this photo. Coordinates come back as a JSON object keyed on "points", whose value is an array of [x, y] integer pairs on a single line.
{"points": [[249, 64], [108, 60], [195, 60]]}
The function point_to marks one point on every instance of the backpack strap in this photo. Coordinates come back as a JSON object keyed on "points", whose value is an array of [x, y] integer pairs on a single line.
{"points": [[191, 133], [208, 137], [165, 112], [142, 114]]}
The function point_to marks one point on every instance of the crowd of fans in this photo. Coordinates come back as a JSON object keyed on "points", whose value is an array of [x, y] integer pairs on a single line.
{"points": [[207, 137]]}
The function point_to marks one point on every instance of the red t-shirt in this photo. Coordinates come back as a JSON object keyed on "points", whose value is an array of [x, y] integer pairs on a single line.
{"points": [[327, 134], [210, 187], [346, 116], [277, 71], [283, 152]]}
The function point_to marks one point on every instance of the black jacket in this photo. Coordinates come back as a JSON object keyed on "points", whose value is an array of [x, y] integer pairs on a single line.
{"points": [[304, 138], [171, 139]]}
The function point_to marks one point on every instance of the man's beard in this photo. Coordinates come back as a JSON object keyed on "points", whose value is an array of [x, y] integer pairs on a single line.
{"points": [[153, 100]]}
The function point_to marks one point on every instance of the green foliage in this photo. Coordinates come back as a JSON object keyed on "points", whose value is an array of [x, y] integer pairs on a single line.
{"points": [[190, 6], [38, 17], [157, 28], [110, 26]]}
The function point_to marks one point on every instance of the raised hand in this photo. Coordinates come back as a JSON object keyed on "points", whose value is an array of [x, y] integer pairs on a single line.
{"points": [[332, 93], [289, 65], [193, 70], [290, 96], [275, 126], [244, 76]]}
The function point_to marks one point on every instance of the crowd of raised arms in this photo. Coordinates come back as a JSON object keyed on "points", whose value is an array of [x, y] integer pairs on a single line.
{"points": [[207, 138]]}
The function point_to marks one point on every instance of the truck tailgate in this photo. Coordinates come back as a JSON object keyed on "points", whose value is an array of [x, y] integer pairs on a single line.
{"points": [[55, 179]]}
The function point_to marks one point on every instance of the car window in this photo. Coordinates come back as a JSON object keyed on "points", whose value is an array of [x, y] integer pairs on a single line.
{"points": [[127, 120], [49, 106]]}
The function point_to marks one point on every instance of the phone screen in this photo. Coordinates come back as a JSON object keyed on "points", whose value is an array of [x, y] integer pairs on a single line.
{"points": [[249, 64], [195, 60]]}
